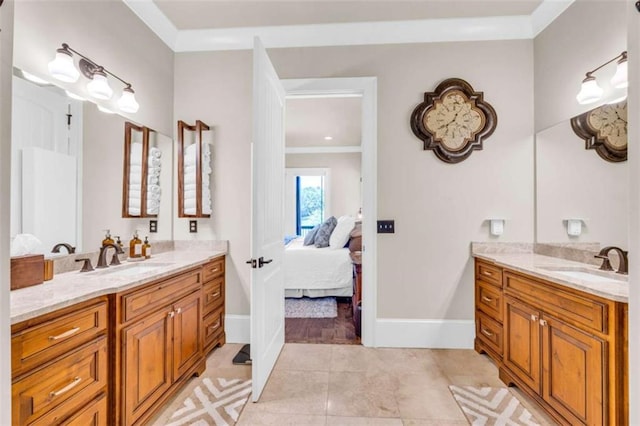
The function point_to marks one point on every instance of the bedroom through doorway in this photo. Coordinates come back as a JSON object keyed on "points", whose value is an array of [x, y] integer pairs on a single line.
{"points": [[323, 212]]}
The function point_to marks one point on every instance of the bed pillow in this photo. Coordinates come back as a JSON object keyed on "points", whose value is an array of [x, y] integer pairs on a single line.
{"points": [[340, 235], [310, 238], [324, 232]]}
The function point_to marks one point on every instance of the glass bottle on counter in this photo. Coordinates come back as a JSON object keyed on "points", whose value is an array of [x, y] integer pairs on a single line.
{"points": [[107, 238], [146, 248], [135, 247]]}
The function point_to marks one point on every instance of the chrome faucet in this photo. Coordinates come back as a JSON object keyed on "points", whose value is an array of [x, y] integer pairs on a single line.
{"points": [[69, 247], [102, 257], [623, 267]]}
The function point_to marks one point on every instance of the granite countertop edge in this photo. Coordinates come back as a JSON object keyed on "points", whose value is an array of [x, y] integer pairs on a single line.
{"points": [[74, 287], [534, 265]]}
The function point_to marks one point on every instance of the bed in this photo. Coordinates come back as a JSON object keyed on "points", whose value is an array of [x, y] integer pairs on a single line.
{"points": [[317, 272]]}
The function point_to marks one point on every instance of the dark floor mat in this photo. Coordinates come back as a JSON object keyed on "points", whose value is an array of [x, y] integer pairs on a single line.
{"points": [[244, 356]]}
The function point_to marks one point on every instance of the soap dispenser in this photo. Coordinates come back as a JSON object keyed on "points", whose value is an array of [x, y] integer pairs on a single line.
{"points": [[135, 247], [107, 238], [146, 248]]}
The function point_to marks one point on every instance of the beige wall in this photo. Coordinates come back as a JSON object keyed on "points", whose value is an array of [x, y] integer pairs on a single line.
{"points": [[109, 33], [587, 34], [424, 269], [344, 192], [6, 47]]}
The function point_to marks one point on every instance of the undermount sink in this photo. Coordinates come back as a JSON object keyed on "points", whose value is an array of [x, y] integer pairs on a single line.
{"points": [[586, 274], [132, 269]]}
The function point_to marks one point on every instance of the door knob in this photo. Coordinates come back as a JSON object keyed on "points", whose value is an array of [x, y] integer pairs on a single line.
{"points": [[262, 262]]}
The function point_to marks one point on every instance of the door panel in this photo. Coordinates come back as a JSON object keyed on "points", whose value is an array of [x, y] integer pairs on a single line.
{"points": [[574, 369], [267, 282], [187, 333], [522, 342]]}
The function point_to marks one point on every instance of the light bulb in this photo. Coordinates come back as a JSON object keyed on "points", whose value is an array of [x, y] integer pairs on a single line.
{"points": [[62, 67], [127, 101], [98, 87], [589, 92], [620, 78]]}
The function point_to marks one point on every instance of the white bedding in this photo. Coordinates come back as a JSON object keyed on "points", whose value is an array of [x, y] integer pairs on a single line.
{"points": [[310, 268]]}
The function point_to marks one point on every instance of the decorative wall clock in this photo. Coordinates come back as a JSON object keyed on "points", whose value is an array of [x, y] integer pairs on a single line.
{"points": [[605, 130], [453, 120]]}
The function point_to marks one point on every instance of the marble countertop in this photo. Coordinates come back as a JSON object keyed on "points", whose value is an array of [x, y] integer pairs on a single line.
{"points": [[74, 287], [609, 285]]}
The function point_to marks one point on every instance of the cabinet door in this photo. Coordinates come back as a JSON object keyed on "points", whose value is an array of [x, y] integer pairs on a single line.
{"points": [[146, 369], [574, 372], [522, 342], [187, 333]]}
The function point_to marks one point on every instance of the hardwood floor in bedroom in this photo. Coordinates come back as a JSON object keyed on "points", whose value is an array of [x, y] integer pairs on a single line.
{"points": [[339, 330]]}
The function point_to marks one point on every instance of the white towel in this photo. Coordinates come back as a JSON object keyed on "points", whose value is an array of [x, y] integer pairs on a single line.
{"points": [[134, 202], [190, 194], [135, 169], [155, 152], [134, 193], [206, 169], [135, 179], [136, 153], [153, 196], [190, 160], [153, 171], [134, 211], [191, 210], [154, 188], [190, 186], [153, 204], [153, 180], [154, 210], [190, 179], [154, 162], [135, 187], [189, 203]]}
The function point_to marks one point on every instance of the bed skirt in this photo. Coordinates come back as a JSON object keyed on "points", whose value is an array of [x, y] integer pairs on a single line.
{"points": [[322, 292]]}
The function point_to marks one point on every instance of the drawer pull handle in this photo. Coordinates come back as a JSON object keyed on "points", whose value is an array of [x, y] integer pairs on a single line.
{"points": [[543, 323], [67, 388], [171, 314], [178, 311], [487, 299], [534, 317], [487, 273], [487, 332], [67, 333], [214, 295], [214, 327], [216, 269]]}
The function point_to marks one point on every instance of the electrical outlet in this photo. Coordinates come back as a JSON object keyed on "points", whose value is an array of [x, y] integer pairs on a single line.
{"points": [[386, 227], [193, 226], [153, 226]]}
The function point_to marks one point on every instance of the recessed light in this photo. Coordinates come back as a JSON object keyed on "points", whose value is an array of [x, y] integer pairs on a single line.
{"points": [[328, 138], [74, 96], [34, 78], [105, 110]]}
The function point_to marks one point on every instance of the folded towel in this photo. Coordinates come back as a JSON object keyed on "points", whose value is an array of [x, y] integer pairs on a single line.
{"points": [[135, 153], [153, 180], [134, 211], [190, 186], [190, 179], [135, 162], [155, 152], [153, 204], [206, 169], [135, 169], [153, 196], [153, 171], [154, 188], [190, 160], [190, 194], [154, 210], [135, 187], [189, 203], [134, 193], [190, 210], [134, 202], [154, 162], [135, 179]]}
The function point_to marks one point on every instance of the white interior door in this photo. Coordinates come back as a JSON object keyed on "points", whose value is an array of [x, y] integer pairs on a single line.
{"points": [[267, 219]]}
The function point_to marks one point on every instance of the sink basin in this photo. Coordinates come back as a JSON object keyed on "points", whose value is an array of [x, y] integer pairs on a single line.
{"points": [[586, 274], [128, 270]]}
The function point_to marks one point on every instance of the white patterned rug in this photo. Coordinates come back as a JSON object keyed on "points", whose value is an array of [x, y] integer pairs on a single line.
{"points": [[492, 406], [305, 307], [213, 402]]}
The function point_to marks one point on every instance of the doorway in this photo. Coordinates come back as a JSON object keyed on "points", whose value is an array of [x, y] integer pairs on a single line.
{"points": [[365, 89]]}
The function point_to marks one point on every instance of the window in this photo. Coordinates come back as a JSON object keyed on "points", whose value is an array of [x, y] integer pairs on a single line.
{"points": [[310, 203]]}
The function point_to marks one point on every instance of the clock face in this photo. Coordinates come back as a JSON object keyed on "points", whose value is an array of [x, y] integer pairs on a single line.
{"points": [[454, 120], [610, 124]]}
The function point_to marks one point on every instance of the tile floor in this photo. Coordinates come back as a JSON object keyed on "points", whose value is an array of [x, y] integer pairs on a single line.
{"points": [[345, 385]]}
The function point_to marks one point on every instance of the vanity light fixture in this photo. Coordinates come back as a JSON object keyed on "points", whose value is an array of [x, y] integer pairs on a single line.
{"points": [[591, 92], [62, 67], [496, 227]]}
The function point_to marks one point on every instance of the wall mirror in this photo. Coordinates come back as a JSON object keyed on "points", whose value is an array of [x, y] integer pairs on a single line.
{"points": [[575, 183], [70, 156]]}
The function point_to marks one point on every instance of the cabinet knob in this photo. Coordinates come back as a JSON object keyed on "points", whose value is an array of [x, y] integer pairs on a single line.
{"points": [[543, 323], [178, 311], [534, 317], [171, 314]]}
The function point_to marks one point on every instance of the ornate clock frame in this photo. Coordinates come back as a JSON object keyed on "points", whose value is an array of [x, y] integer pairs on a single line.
{"points": [[597, 140], [439, 143]]}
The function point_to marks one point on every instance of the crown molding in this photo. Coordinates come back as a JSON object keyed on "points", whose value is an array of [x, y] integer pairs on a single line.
{"points": [[520, 27]]}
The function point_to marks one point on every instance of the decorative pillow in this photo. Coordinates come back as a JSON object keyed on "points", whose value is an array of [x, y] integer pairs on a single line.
{"points": [[340, 235], [310, 238], [324, 232]]}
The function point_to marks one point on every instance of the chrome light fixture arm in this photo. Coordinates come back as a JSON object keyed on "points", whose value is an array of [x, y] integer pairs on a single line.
{"points": [[89, 67], [622, 56]]}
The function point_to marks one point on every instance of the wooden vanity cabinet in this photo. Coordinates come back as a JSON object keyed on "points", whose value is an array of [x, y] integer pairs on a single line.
{"points": [[213, 304], [489, 305], [60, 366], [159, 344], [563, 347]]}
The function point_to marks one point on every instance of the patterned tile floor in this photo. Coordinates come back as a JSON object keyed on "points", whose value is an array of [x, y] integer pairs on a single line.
{"points": [[344, 385]]}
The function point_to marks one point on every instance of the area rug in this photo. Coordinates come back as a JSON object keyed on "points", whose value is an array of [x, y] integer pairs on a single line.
{"points": [[212, 402], [305, 307], [492, 406]]}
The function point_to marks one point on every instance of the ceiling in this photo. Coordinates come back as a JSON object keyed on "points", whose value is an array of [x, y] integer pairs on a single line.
{"points": [[199, 14]]}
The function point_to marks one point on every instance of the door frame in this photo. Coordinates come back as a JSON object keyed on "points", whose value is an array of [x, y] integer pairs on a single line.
{"points": [[366, 88]]}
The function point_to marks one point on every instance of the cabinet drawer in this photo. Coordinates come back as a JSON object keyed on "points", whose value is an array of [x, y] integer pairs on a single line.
{"points": [[213, 269], [159, 294], [573, 308], [489, 332], [41, 343], [94, 414], [213, 326], [489, 300], [213, 294], [489, 273], [62, 387]]}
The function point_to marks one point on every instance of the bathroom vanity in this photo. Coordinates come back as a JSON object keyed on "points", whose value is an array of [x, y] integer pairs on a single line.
{"points": [[558, 330], [111, 346]]}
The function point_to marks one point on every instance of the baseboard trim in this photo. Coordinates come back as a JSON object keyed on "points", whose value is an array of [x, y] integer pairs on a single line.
{"points": [[434, 334], [237, 328]]}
